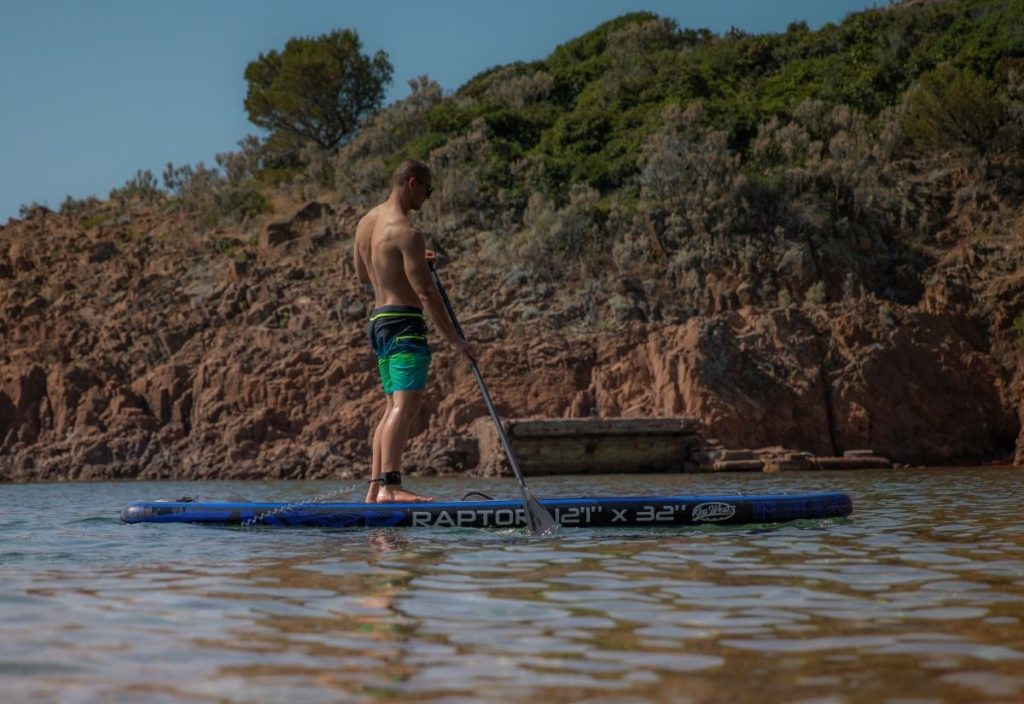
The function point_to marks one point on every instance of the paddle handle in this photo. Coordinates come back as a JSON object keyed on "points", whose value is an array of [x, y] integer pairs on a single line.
{"points": [[502, 436]]}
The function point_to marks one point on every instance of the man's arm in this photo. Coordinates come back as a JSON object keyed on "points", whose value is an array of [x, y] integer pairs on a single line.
{"points": [[361, 271], [363, 233], [414, 258]]}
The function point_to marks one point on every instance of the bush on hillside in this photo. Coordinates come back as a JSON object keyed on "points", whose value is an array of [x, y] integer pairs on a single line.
{"points": [[826, 156], [691, 174], [571, 240], [140, 188], [245, 164], [80, 207], [27, 211], [821, 183], [638, 54], [461, 170], [519, 90], [1012, 70], [950, 109], [209, 197]]}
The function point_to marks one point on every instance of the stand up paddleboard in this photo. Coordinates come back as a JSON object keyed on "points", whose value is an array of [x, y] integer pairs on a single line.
{"points": [[570, 512]]}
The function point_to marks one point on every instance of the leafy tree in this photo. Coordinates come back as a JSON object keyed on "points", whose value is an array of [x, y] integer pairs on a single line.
{"points": [[318, 89]]}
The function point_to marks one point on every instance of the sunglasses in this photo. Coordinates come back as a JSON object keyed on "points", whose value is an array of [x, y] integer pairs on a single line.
{"points": [[430, 189]]}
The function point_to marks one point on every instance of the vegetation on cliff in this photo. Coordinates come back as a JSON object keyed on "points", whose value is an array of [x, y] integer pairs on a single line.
{"points": [[787, 167]]}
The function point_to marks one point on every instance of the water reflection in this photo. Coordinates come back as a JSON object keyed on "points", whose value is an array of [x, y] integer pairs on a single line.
{"points": [[892, 605]]}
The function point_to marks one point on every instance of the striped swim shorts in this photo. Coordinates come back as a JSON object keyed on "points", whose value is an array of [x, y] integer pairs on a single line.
{"points": [[398, 337]]}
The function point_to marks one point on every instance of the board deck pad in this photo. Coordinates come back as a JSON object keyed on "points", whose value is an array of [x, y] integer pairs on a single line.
{"points": [[607, 511]]}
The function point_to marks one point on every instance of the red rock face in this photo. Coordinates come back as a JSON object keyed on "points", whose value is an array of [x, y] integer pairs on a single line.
{"points": [[917, 390], [138, 348]]}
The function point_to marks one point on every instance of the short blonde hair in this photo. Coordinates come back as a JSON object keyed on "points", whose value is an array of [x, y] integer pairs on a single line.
{"points": [[410, 168]]}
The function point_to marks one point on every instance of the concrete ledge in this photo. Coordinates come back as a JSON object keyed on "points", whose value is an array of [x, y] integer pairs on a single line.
{"points": [[589, 445], [554, 446], [568, 427]]}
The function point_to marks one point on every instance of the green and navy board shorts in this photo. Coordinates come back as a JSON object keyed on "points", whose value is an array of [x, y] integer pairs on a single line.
{"points": [[398, 336]]}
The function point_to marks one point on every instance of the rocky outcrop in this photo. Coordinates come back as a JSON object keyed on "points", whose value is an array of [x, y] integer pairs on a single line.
{"points": [[918, 389]]}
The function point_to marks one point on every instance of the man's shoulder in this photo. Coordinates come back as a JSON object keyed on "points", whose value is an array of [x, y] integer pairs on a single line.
{"points": [[401, 228], [368, 219]]}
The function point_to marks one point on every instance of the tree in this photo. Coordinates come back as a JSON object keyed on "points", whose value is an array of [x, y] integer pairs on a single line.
{"points": [[319, 89]]}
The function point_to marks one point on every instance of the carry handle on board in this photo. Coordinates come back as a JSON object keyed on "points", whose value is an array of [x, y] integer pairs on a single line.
{"points": [[538, 520]]}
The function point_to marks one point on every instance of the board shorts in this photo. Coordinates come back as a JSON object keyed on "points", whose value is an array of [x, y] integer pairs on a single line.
{"points": [[398, 337]]}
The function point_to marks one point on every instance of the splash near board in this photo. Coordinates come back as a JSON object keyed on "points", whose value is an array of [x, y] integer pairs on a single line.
{"points": [[608, 511]]}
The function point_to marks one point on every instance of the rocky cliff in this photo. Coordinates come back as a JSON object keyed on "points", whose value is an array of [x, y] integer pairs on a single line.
{"points": [[136, 345]]}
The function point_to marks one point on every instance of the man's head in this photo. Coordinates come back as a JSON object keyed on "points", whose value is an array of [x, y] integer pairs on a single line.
{"points": [[413, 180]]}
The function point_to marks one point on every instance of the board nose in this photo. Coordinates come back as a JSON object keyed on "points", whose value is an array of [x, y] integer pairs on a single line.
{"points": [[131, 513]]}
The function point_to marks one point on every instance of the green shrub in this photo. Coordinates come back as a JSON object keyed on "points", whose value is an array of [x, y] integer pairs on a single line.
{"points": [[141, 188], [80, 207], [239, 202], [816, 294], [27, 211], [690, 174], [949, 108], [209, 197], [244, 164], [886, 316], [1018, 327], [572, 239]]}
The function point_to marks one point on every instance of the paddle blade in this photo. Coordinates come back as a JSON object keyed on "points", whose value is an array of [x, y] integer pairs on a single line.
{"points": [[539, 520]]}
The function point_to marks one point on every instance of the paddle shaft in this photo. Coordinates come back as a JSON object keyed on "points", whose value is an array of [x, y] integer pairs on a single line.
{"points": [[483, 387]]}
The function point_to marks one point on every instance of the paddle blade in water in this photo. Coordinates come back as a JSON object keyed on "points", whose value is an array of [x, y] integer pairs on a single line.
{"points": [[539, 520]]}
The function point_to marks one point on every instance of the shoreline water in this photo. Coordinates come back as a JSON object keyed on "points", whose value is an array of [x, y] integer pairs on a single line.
{"points": [[917, 595]]}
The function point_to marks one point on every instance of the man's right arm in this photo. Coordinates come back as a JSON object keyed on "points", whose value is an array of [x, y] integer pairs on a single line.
{"points": [[414, 257]]}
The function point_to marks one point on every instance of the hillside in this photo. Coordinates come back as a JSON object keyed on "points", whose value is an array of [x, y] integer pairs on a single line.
{"points": [[813, 238]]}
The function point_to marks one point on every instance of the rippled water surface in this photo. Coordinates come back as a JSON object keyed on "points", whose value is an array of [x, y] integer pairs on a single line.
{"points": [[917, 597]]}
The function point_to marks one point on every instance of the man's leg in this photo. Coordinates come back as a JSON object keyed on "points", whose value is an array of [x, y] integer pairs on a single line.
{"points": [[395, 431], [378, 436]]}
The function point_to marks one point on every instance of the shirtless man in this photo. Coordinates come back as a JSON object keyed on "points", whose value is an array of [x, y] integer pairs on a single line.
{"points": [[391, 254]]}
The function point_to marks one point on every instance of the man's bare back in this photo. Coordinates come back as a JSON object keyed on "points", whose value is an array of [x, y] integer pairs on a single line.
{"points": [[383, 237]]}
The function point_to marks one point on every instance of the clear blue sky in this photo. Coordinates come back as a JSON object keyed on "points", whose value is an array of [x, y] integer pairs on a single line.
{"points": [[92, 91]]}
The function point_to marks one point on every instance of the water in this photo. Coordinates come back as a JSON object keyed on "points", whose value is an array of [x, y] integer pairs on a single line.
{"points": [[918, 597]]}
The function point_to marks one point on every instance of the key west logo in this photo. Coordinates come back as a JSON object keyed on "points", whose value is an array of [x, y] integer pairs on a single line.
{"points": [[713, 511]]}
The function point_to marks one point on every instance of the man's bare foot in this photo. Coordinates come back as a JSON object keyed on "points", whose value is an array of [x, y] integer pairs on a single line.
{"points": [[396, 494], [371, 495]]}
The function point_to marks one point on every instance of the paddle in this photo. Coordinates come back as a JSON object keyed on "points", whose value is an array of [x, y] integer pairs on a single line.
{"points": [[538, 520]]}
